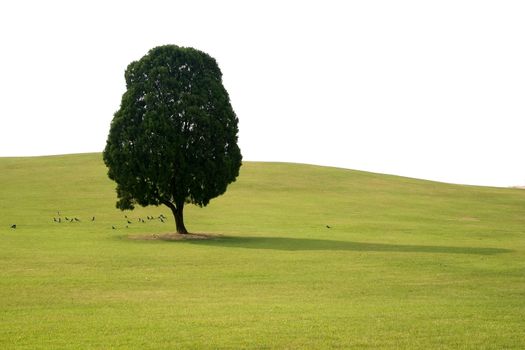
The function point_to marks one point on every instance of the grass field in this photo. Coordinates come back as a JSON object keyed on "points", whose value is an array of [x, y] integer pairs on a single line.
{"points": [[405, 264]]}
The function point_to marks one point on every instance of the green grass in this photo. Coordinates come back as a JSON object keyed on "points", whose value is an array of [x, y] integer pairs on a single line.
{"points": [[406, 264]]}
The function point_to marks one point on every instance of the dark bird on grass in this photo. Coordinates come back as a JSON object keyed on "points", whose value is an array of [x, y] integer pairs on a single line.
{"points": [[55, 220], [77, 220], [93, 218], [13, 226], [161, 219], [126, 216], [328, 226], [59, 220], [129, 222], [67, 219], [113, 227]]}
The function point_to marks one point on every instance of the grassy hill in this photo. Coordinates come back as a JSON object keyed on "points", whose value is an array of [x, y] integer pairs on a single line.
{"points": [[405, 263]]}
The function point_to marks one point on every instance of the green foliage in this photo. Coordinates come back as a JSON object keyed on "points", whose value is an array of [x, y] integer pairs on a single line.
{"points": [[174, 138]]}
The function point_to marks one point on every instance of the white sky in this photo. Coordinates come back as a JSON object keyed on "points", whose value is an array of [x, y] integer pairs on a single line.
{"points": [[427, 89]]}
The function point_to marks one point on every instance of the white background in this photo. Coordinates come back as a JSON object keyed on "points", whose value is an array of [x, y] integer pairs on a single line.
{"points": [[427, 89]]}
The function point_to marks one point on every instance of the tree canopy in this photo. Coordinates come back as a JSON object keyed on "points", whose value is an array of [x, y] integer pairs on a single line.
{"points": [[174, 139]]}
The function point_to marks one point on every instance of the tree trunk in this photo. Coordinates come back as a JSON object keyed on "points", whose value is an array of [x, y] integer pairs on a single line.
{"points": [[178, 214], [179, 219]]}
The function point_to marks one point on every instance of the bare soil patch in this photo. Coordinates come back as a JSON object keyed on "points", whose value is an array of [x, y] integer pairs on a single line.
{"points": [[173, 236]]}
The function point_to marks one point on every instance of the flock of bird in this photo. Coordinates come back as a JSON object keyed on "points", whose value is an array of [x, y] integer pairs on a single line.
{"points": [[60, 219], [161, 218]]}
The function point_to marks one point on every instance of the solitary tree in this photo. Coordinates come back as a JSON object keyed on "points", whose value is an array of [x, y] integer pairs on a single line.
{"points": [[174, 139]]}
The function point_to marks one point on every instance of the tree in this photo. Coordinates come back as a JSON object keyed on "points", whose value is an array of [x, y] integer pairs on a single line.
{"points": [[174, 139]]}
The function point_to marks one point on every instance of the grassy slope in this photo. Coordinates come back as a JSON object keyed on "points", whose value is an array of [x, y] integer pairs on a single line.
{"points": [[406, 263]]}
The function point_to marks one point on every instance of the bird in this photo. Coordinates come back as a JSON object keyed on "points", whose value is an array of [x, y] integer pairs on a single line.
{"points": [[13, 226], [59, 220], [328, 226], [93, 219], [113, 227], [55, 219], [161, 219], [67, 219], [129, 222], [77, 220]]}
